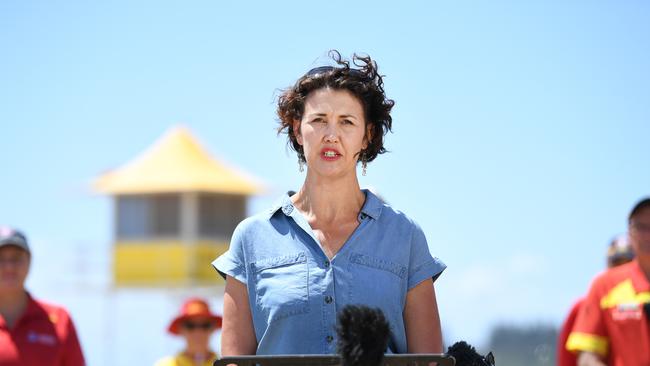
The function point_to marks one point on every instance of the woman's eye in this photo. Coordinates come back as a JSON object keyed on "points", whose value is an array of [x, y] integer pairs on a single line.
{"points": [[347, 122]]}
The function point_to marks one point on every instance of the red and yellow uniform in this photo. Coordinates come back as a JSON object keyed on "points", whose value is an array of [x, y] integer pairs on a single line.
{"points": [[564, 356], [44, 335], [612, 322]]}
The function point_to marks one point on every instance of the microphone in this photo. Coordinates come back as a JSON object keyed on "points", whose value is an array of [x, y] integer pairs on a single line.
{"points": [[646, 310]]}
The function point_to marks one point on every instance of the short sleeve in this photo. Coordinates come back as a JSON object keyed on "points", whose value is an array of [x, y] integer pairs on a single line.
{"points": [[422, 265], [72, 355], [564, 356], [589, 333], [232, 262]]}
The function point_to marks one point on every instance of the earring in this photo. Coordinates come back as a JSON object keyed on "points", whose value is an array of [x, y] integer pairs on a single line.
{"points": [[364, 164], [301, 165]]}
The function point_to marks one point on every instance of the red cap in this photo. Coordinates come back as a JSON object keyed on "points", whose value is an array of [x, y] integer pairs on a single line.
{"points": [[194, 308]]}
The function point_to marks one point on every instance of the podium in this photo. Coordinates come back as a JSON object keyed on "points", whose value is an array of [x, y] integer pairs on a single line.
{"points": [[332, 360]]}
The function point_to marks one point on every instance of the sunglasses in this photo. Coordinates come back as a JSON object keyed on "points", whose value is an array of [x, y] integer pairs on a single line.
{"points": [[201, 326], [324, 69]]}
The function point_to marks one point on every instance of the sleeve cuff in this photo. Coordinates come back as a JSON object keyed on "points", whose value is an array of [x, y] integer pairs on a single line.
{"points": [[584, 342], [432, 269], [226, 266]]}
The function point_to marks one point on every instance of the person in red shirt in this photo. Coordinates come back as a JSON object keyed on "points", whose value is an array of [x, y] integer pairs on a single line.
{"points": [[619, 252], [32, 332], [612, 325]]}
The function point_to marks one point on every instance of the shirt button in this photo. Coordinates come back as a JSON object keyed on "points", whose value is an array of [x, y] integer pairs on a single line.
{"points": [[328, 299], [329, 339], [327, 264]]}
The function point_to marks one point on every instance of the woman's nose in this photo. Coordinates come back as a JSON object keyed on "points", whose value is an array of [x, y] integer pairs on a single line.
{"points": [[331, 133]]}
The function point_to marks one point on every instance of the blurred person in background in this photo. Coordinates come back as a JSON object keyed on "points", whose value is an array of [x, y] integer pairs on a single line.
{"points": [[612, 325], [291, 268], [619, 252], [32, 332], [196, 324]]}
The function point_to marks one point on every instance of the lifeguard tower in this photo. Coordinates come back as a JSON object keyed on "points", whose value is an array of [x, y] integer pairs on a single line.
{"points": [[175, 208]]}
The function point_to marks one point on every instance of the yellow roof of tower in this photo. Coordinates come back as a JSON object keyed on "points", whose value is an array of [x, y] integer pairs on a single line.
{"points": [[176, 163]]}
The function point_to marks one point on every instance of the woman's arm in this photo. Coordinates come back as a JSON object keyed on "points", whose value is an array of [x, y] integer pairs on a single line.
{"points": [[237, 334], [422, 320]]}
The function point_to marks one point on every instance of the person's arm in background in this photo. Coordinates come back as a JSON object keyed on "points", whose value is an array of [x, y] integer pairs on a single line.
{"points": [[590, 359], [589, 336], [565, 357], [237, 334], [421, 319]]}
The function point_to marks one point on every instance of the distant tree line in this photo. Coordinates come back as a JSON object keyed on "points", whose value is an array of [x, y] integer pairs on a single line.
{"points": [[531, 345]]}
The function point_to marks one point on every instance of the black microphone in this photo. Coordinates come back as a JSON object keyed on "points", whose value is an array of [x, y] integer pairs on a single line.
{"points": [[646, 310]]}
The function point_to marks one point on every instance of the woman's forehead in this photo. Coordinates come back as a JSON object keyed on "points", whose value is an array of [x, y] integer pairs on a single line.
{"points": [[333, 101]]}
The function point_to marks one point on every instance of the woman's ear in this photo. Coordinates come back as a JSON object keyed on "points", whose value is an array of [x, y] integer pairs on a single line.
{"points": [[296, 131], [368, 137]]}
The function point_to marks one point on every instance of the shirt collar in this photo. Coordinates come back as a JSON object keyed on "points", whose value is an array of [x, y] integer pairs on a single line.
{"points": [[639, 279], [184, 359], [32, 309], [371, 207]]}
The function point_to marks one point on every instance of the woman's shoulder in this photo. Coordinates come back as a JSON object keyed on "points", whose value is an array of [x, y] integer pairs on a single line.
{"points": [[260, 220], [387, 213]]}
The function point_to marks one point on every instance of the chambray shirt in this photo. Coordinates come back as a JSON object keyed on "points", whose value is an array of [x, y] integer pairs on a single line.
{"points": [[295, 291]]}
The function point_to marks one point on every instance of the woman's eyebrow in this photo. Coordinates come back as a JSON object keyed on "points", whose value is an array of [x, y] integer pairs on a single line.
{"points": [[348, 116]]}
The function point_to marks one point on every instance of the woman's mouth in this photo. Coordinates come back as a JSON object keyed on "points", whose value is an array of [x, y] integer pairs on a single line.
{"points": [[330, 154]]}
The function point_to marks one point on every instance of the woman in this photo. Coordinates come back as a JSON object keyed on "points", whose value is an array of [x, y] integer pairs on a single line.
{"points": [[195, 323], [289, 270]]}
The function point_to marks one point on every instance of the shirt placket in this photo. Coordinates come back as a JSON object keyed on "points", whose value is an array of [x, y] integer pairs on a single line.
{"points": [[328, 308], [328, 301], [328, 290]]}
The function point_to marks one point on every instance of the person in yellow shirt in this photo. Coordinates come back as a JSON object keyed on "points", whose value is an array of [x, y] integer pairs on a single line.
{"points": [[196, 324]]}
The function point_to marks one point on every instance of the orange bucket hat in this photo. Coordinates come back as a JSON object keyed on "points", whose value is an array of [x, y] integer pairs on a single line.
{"points": [[194, 307]]}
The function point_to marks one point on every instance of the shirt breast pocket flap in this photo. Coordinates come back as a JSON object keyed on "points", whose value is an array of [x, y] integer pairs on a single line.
{"points": [[281, 285], [377, 281], [378, 263]]}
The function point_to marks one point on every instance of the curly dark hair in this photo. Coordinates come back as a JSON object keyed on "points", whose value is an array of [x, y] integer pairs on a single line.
{"points": [[363, 81]]}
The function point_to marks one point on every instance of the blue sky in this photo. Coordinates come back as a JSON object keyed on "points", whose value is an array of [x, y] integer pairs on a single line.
{"points": [[520, 128]]}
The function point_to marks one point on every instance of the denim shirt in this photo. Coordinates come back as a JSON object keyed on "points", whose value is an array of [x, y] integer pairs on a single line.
{"points": [[295, 291]]}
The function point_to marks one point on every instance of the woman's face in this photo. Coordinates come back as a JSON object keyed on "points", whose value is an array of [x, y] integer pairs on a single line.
{"points": [[332, 132]]}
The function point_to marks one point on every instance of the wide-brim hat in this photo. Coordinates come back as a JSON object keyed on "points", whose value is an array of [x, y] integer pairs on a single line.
{"points": [[194, 308]]}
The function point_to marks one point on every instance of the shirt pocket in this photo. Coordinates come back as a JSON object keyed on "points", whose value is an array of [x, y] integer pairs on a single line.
{"points": [[281, 286], [377, 282]]}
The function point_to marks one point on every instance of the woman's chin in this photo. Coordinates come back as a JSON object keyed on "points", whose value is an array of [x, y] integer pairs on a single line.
{"points": [[333, 173]]}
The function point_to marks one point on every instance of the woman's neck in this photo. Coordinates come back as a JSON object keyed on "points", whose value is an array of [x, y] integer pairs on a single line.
{"points": [[329, 201]]}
